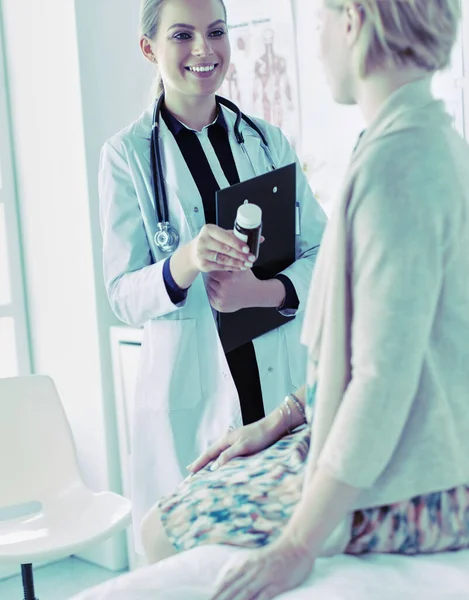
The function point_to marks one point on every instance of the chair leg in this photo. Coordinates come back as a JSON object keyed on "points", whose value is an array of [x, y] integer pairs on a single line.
{"points": [[28, 582]]}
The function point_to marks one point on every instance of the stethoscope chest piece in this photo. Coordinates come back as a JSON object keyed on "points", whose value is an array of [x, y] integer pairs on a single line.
{"points": [[166, 238]]}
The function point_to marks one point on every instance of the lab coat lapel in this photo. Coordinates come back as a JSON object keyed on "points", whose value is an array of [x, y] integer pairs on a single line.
{"points": [[179, 182], [257, 163]]}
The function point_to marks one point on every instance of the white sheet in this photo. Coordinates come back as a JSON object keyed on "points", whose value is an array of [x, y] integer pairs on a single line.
{"points": [[191, 576]]}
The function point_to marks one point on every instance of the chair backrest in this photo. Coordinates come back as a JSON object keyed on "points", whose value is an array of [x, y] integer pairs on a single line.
{"points": [[37, 452]]}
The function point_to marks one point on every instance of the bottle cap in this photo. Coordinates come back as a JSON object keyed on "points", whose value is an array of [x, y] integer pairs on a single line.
{"points": [[249, 216]]}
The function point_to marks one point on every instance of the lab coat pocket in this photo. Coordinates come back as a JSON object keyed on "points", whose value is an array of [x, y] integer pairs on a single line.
{"points": [[170, 367]]}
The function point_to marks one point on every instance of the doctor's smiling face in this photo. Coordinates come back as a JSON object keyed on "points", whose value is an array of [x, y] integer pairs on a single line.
{"points": [[189, 44]]}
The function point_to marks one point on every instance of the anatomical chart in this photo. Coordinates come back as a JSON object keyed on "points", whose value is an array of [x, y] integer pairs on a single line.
{"points": [[262, 76]]}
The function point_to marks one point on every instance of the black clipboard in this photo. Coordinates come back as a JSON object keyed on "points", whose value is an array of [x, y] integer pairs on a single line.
{"points": [[275, 193]]}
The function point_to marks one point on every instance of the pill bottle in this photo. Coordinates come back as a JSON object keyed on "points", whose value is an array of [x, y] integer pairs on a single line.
{"points": [[248, 226]]}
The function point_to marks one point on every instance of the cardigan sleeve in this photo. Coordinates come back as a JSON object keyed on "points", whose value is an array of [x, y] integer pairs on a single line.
{"points": [[396, 232]]}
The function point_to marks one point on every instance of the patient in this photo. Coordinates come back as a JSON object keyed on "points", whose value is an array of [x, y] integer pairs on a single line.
{"points": [[382, 464]]}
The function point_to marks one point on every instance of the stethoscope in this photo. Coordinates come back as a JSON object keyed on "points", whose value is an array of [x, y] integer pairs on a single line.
{"points": [[166, 237]]}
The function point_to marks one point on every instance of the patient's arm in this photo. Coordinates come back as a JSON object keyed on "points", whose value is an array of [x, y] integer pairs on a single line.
{"points": [[324, 503], [286, 563], [253, 438]]}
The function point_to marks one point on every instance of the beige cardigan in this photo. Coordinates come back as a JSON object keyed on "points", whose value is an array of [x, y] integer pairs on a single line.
{"points": [[387, 321]]}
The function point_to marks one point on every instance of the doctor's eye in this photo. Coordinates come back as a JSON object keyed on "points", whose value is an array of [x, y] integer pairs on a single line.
{"points": [[182, 36], [217, 33]]}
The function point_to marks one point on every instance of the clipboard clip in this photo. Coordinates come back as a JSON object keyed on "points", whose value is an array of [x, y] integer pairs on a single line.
{"points": [[297, 219]]}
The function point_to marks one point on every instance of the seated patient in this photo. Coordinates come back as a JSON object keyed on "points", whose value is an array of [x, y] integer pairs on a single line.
{"points": [[382, 465]]}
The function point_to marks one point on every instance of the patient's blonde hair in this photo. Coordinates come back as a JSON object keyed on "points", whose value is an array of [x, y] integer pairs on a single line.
{"points": [[419, 33]]}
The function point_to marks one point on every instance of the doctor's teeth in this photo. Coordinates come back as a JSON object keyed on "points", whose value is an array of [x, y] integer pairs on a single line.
{"points": [[202, 69]]}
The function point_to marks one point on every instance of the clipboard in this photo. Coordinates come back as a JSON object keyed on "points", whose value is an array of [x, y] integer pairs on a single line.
{"points": [[275, 193]]}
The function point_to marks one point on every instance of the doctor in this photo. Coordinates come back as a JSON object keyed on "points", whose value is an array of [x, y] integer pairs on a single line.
{"points": [[169, 268]]}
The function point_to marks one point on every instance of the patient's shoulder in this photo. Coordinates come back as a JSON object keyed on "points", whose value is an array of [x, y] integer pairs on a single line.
{"points": [[415, 170]]}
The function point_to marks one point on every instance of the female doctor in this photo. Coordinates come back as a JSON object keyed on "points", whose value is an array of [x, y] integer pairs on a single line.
{"points": [[169, 268]]}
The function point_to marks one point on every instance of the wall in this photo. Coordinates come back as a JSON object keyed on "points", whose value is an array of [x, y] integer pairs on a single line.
{"points": [[114, 84], [49, 139]]}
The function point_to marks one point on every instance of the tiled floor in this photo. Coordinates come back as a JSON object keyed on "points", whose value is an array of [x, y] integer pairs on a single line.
{"points": [[58, 581]]}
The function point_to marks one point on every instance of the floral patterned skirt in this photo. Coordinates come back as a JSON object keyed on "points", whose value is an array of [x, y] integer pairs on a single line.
{"points": [[248, 502], [429, 523]]}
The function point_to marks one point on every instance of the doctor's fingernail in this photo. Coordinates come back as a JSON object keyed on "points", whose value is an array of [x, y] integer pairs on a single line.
{"points": [[245, 249], [248, 264], [214, 466], [243, 268], [251, 257]]}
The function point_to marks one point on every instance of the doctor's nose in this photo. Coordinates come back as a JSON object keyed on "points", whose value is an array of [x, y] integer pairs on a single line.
{"points": [[202, 47]]}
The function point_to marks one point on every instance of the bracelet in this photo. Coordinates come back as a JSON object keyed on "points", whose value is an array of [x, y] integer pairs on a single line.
{"points": [[289, 416], [298, 405]]}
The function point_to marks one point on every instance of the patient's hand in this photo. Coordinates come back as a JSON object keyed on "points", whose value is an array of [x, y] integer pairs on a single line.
{"points": [[244, 441], [266, 573]]}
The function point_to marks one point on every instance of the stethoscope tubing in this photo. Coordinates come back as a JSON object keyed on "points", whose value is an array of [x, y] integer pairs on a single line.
{"points": [[159, 192]]}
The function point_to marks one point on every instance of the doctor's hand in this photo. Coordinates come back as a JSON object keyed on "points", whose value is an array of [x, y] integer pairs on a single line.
{"points": [[266, 573], [217, 249], [231, 291]]}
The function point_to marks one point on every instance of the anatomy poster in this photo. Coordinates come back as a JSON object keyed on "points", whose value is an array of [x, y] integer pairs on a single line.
{"points": [[262, 77]]}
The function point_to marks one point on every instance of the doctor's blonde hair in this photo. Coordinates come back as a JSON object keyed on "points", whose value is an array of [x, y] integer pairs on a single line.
{"points": [[417, 33], [150, 17]]}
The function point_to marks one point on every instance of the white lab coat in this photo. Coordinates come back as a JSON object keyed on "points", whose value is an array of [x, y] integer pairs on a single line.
{"points": [[185, 397]]}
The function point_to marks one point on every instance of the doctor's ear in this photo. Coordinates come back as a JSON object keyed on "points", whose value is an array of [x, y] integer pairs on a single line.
{"points": [[147, 49]]}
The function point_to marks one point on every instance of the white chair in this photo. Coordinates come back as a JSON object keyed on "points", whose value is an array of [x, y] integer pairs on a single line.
{"points": [[46, 511]]}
